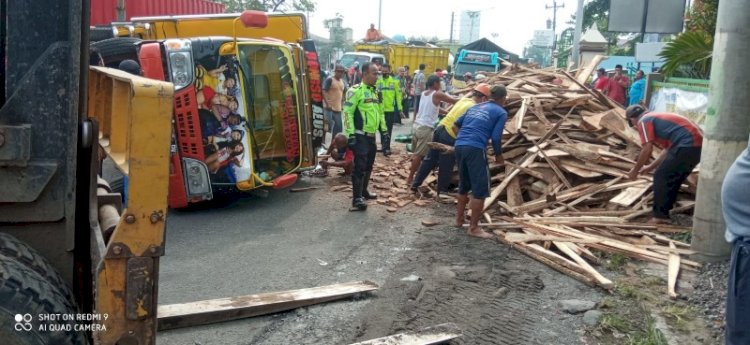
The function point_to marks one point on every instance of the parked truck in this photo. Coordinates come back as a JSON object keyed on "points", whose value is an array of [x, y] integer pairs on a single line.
{"points": [[398, 55], [248, 104], [474, 62]]}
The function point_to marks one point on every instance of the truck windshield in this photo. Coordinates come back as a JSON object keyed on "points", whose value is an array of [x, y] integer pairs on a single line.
{"points": [[462, 68], [349, 59], [268, 77]]}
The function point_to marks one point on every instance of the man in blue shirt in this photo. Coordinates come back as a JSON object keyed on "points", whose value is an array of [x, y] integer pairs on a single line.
{"points": [[481, 122], [637, 89], [735, 198]]}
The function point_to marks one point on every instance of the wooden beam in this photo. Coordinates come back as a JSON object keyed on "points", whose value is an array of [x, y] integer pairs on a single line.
{"points": [[427, 336], [600, 279], [672, 271], [224, 309]]}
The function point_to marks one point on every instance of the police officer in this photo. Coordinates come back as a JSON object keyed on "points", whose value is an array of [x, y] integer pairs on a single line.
{"points": [[390, 88], [364, 117]]}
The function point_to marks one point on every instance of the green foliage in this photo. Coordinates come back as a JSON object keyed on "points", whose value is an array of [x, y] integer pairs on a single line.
{"points": [[689, 55], [269, 5], [615, 322], [652, 336], [702, 16], [616, 262]]}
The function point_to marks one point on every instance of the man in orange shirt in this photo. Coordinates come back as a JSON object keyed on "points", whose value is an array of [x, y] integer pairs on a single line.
{"points": [[601, 80], [617, 86]]}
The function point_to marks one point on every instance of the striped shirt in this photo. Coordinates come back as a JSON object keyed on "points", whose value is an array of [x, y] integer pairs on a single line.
{"points": [[669, 130]]}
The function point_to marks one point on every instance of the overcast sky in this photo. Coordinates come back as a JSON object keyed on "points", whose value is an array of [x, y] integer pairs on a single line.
{"points": [[514, 21]]}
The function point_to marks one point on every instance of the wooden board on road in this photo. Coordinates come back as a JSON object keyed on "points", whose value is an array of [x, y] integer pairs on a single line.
{"points": [[224, 309]]}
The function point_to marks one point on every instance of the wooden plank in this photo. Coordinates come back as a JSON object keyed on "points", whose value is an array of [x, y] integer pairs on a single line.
{"points": [[628, 196], [514, 237], [224, 309], [550, 259], [615, 122], [601, 280], [513, 194], [672, 271], [427, 336], [303, 189], [575, 169], [583, 75], [517, 122]]}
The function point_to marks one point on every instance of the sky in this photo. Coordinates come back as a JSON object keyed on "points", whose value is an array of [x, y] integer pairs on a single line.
{"points": [[514, 21]]}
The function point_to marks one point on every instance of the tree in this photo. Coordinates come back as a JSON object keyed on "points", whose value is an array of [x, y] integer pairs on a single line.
{"points": [[268, 5], [689, 55]]}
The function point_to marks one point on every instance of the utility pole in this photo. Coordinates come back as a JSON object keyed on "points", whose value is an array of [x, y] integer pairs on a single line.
{"points": [[453, 16], [380, 14], [726, 127], [577, 34], [120, 10], [554, 8]]}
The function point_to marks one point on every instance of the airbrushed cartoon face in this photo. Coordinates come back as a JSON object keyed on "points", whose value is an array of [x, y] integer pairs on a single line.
{"points": [[222, 118]]}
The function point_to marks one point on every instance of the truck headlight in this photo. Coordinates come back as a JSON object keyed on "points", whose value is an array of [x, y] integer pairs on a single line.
{"points": [[180, 62], [196, 179]]}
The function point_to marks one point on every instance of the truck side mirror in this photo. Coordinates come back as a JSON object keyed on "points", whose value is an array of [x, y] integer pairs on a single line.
{"points": [[254, 19]]}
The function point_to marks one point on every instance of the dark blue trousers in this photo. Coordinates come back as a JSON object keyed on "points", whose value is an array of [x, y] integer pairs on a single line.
{"points": [[434, 158], [738, 296]]}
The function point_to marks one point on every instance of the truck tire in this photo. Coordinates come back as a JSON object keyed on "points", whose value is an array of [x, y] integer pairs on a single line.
{"points": [[116, 49], [24, 296], [114, 177], [100, 34], [12, 248]]}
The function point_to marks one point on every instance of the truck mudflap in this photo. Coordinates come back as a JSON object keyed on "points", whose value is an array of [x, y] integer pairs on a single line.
{"points": [[315, 97]]}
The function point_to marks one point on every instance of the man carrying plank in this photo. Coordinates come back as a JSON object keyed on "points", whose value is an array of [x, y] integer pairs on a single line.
{"points": [[480, 123], [681, 140]]}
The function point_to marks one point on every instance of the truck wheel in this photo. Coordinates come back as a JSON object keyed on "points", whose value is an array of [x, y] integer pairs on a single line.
{"points": [[12, 248], [114, 177], [24, 297], [116, 49], [100, 34]]}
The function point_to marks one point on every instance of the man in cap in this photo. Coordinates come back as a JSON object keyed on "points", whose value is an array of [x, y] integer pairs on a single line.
{"points": [[444, 134], [390, 89], [681, 140], [481, 123]]}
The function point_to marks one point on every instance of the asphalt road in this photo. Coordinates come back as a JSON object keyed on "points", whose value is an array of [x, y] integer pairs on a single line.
{"points": [[299, 240]]}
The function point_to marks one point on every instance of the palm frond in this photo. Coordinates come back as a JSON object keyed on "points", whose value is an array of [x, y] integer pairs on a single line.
{"points": [[692, 50]]}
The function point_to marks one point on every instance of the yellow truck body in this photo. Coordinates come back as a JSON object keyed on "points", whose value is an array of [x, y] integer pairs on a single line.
{"points": [[398, 55], [285, 27]]}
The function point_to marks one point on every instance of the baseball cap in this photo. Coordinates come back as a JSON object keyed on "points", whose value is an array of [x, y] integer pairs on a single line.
{"points": [[633, 112], [483, 88], [498, 91]]}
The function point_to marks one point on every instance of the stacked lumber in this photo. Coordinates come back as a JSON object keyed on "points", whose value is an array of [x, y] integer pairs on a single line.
{"points": [[566, 245], [564, 190], [568, 150]]}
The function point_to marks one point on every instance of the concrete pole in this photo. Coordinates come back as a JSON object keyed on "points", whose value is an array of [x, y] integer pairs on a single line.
{"points": [[577, 34], [727, 125], [380, 15]]}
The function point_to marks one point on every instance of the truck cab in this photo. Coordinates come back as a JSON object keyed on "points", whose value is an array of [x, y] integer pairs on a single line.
{"points": [[349, 58], [474, 62], [248, 108]]}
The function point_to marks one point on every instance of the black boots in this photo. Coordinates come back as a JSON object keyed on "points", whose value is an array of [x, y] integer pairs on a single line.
{"points": [[365, 192], [358, 202]]}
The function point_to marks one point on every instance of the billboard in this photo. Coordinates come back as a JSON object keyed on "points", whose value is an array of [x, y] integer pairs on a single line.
{"points": [[543, 38], [663, 16]]}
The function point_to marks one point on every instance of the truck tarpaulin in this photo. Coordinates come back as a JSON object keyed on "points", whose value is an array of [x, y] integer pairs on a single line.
{"points": [[104, 12]]}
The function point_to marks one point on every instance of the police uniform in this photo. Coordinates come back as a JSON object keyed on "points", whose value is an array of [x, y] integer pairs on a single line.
{"points": [[364, 118], [390, 88]]}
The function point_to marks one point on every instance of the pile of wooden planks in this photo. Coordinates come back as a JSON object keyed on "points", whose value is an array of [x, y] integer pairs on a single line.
{"points": [[568, 150], [565, 190], [566, 244]]}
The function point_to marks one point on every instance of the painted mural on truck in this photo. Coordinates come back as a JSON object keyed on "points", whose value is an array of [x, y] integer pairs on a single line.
{"points": [[221, 109], [249, 113]]}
